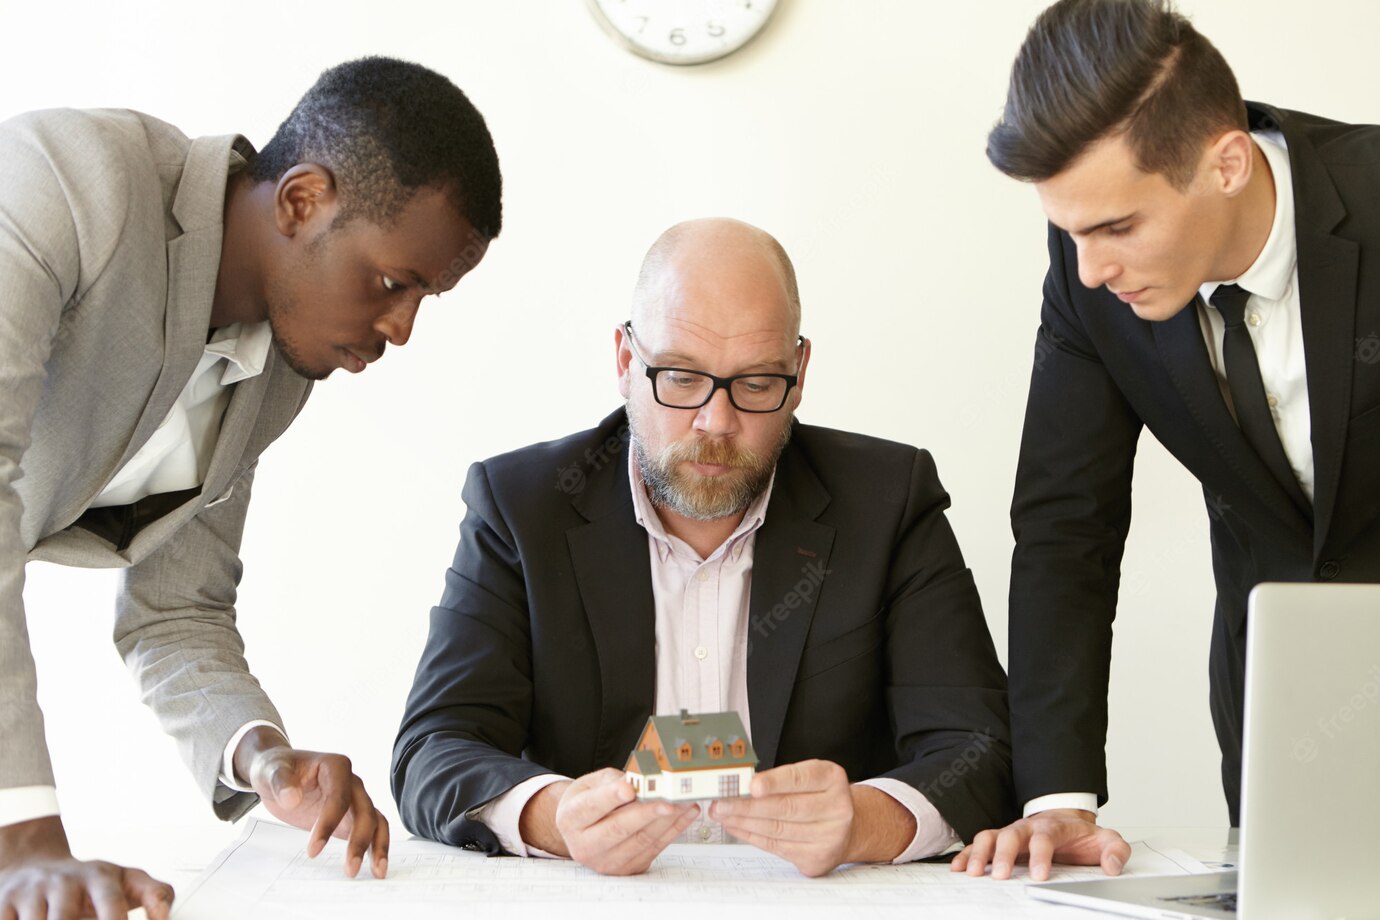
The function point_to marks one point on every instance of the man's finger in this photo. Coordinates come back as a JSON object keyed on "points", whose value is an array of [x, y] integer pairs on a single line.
{"points": [[106, 896], [834, 804], [960, 862], [143, 889], [65, 901], [1115, 853], [281, 777], [361, 826], [635, 850], [772, 828], [805, 776], [335, 802], [380, 846], [581, 809], [1011, 843], [1041, 856], [981, 852]]}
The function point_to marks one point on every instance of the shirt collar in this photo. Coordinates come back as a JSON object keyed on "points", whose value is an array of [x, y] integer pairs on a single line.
{"points": [[650, 521], [1272, 271], [245, 348]]}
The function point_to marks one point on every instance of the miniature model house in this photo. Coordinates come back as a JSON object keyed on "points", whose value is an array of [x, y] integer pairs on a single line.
{"points": [[685, 757]]}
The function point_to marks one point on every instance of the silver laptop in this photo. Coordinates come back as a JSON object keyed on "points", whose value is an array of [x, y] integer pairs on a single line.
{"points": [[1310, 791]]}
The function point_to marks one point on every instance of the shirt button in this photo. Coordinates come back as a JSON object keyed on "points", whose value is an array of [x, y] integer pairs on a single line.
{"points": [[701, 652], [702, 576], [1329, 570], [1272, 401], [1254, 319], [704, 833]]}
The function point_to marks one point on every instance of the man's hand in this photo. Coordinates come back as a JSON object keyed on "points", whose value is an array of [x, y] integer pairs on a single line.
{"points": [[597, 821], [316, 792], [39, 879], [809, 814], [1066, 835]]}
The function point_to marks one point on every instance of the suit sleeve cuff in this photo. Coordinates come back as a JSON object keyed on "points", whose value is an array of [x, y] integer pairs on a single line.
{"points": [[27, 803], [1087, 801], [227, 769], [501, 815], [932, 833]]}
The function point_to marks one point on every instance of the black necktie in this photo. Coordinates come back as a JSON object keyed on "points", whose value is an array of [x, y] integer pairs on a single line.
{"points": [[1248, 391]]}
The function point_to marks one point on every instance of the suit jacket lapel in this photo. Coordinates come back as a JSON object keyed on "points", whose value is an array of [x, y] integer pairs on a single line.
{"points": [[614, 574], [193, 264], [1184, 353], [790, 547], [1328, 268]]}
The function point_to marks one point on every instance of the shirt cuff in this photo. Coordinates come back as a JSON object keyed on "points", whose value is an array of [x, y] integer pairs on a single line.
{"points": [[27, 803], [1087, 801], [501, 815], [227, 768], [932, 833]]}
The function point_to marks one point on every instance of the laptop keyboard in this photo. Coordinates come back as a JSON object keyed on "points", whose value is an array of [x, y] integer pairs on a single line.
{"points": [[1225, 902]]}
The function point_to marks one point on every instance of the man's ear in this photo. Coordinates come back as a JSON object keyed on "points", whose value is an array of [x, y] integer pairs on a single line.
{"points": [[623, 359], [305, 196], [800, 383], [1232, 157]]}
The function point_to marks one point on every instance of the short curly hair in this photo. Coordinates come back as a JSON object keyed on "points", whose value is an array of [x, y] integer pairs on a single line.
{"points": [[387, 128]]}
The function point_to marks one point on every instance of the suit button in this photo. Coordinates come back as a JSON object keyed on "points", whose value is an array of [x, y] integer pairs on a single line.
{"points": [[1329, 570]]}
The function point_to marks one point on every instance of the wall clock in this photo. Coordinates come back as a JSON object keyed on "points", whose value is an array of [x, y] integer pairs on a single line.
{"points": [[683, 31]]}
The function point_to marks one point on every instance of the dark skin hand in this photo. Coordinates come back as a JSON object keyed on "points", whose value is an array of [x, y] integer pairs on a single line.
{"points": [[41, 880], [316, 792]]}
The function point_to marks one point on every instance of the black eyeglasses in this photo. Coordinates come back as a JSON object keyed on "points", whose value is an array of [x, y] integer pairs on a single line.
{"points": [[682, 388]]}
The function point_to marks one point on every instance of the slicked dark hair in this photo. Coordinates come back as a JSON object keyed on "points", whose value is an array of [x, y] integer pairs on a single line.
{"points": [[1091, 69], [387, 128]]}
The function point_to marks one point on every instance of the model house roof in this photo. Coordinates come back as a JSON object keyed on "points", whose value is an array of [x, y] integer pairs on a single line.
{"points": [[646, 763], [701, 731]]}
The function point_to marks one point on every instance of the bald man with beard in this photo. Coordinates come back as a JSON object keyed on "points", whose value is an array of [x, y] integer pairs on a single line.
{"points": [[702, 550]]}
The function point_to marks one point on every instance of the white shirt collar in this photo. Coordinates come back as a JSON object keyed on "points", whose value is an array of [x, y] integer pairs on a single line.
{"points": [[1272, 271], [245, 349], [645, 513]]}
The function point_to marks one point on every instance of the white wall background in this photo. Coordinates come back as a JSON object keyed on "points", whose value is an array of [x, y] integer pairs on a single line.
{"points": [[853, 131]]}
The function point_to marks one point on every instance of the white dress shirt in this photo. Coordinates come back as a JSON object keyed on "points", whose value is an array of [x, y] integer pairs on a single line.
{"points": [[175, 457], [701, 665], [1275, 323]]}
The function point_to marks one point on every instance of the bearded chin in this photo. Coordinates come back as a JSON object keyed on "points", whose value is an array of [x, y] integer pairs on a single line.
{"points": [[705, 498]]}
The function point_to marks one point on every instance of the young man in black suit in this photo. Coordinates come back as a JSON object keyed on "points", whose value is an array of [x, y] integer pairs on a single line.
{"points": [[1214, 277], [702, 550]]}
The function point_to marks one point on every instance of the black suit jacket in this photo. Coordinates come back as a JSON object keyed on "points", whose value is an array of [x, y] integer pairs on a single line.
{"points": [[1101, 374], [868, 645]]}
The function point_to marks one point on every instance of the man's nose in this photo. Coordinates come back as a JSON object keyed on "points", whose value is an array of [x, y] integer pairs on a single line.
{"points": [[396, 324], [1095, 266], [718, 417]]}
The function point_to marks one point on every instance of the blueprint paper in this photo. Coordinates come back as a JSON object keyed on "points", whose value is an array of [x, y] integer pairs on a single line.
{"points": [[267, 875]]}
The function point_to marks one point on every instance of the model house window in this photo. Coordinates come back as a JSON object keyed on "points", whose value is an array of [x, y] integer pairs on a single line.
{"points": [[683, 752], [728, 786], [686, 784], [651, 785], [716, 749], [738, 748]]}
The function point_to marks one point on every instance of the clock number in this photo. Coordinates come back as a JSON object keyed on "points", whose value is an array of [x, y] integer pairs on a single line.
{"points": [[643, 27], [716, 29], [677, 37]]}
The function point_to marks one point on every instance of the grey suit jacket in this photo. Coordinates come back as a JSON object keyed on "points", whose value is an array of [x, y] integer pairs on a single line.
{"points": [[110, 240]]}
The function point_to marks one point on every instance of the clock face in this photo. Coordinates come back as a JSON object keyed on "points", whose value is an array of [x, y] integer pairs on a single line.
{"points": [[683, 31]]}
